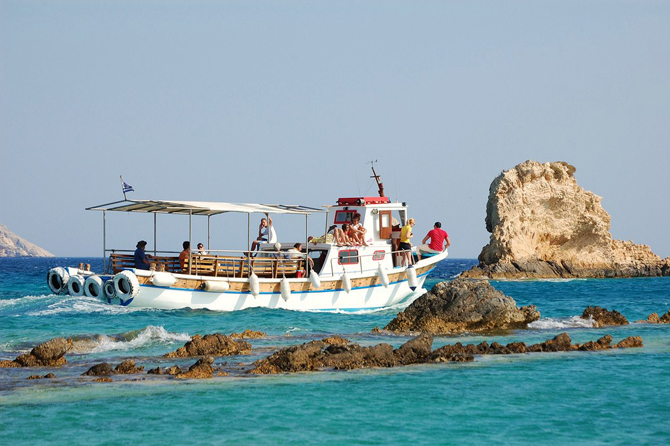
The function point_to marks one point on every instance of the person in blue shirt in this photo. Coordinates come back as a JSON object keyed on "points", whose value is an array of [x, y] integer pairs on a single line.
{"points": [[141, 257]]}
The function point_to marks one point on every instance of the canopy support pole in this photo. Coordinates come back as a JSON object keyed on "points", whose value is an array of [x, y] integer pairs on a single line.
{"points": [[208, 217], [190, 234], [104, 241], [249, 242], [306, 242], [155, 226]]}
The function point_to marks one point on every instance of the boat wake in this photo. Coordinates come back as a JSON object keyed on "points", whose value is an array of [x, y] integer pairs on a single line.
{"points": [[550, 323], [148, 336], [83, 305]]}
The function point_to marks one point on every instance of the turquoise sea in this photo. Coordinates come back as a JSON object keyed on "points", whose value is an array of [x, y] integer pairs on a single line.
{"points": [[612, 397]]}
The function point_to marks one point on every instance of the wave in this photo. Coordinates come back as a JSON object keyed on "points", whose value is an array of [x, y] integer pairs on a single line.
{"points": [[560, 323], [150, 335], [6, 303]]}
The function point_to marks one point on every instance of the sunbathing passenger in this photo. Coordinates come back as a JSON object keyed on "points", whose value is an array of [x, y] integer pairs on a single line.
{"points": [[357, 230], [342, 236]]}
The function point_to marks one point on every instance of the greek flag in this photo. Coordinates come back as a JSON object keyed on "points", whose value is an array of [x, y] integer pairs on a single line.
{"points": [[127, 188]]}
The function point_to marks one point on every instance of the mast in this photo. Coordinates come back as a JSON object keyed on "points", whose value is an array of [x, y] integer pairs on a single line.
{"points": [[377, 178]]}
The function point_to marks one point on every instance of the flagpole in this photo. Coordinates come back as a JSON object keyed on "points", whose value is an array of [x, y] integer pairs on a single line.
{"points": [[123, 189]]}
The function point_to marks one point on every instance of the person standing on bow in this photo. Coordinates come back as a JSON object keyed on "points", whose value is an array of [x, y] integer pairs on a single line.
{"points": [[438, 237], [266, 232], [405, 245]]}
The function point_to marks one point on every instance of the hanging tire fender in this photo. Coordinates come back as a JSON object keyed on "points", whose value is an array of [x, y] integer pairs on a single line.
{"points": [[57, 279], [76, 285], [126, 285], [93, 287]]}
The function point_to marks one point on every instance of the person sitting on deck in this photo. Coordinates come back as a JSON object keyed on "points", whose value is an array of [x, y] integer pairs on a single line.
{"points": [[342, 236], [201, 249], [437, 237], [184, 256], [357, 231], [296, 253], [266, 232], [141, 257]]}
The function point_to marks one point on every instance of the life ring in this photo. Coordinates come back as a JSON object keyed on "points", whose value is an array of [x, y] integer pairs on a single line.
{"points": [[109, 291], [126, 285], [76, 286], [57, 279]]}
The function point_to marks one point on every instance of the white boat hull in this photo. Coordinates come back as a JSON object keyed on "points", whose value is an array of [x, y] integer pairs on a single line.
{"points": [[358, 298]]}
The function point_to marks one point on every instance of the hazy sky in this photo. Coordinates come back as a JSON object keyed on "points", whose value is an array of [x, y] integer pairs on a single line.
{"points": [[285, 102]]}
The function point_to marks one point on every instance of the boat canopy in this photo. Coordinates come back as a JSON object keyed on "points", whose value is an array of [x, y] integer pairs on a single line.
{"points": [[200, 207]]}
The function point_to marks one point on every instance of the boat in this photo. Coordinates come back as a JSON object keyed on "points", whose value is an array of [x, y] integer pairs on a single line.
{"points": [[325, 275]]}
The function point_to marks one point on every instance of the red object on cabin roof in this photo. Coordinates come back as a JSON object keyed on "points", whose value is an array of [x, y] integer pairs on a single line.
{"points": [[362, 201]]}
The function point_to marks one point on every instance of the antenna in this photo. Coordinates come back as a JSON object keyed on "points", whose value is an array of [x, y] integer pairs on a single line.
{"points": [[377, 178]]}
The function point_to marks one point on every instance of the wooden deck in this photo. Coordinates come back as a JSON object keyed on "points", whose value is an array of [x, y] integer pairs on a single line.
{"points": [[216, 266]]}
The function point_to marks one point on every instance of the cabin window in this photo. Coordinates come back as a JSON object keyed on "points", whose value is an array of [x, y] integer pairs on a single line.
{"points": [[378, 255], [347, 257], [342, 217]]}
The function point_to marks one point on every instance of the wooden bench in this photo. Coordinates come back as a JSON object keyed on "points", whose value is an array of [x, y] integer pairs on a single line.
{"points": [[119, 262], [217, 266]]}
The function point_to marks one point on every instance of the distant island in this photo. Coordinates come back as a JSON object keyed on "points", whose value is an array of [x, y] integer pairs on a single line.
{"points": [[544, 225], [11, 245]]}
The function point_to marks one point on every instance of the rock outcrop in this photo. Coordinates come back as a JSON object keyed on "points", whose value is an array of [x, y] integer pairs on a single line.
{"points": [[11, 245], [544, 225], [216, 344], [319, 355], [604, 317], [47, 354], [462, 305]]}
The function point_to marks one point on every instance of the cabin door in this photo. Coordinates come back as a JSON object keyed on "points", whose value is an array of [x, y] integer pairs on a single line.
{"points": [[385, 224]]}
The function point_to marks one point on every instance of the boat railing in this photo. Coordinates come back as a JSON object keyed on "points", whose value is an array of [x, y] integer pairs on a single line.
{"points": [[227, 265], [340, 263]]}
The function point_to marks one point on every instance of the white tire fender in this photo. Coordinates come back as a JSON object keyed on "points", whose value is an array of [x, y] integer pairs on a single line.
{"points": [[126, 285], [93, 287], [76, 285], [57, 279]]}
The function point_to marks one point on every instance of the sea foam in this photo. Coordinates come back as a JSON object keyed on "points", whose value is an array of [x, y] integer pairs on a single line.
{"points": [[549, 323], [150, 335]]}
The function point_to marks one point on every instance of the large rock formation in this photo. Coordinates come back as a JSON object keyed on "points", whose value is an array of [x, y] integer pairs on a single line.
{"points": [[543, 225], [462, 305], [11, 245]]}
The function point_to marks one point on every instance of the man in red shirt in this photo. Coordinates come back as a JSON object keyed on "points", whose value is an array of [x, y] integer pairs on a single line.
{"points": [[437, 238]]}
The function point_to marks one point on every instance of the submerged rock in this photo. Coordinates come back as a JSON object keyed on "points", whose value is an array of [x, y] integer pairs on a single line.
{"points": [[127, 367], [215, 345], [248, 334], [47, 376], [462, 305], [543, 225], [102, 369], [202, 369], [603, 317]]}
